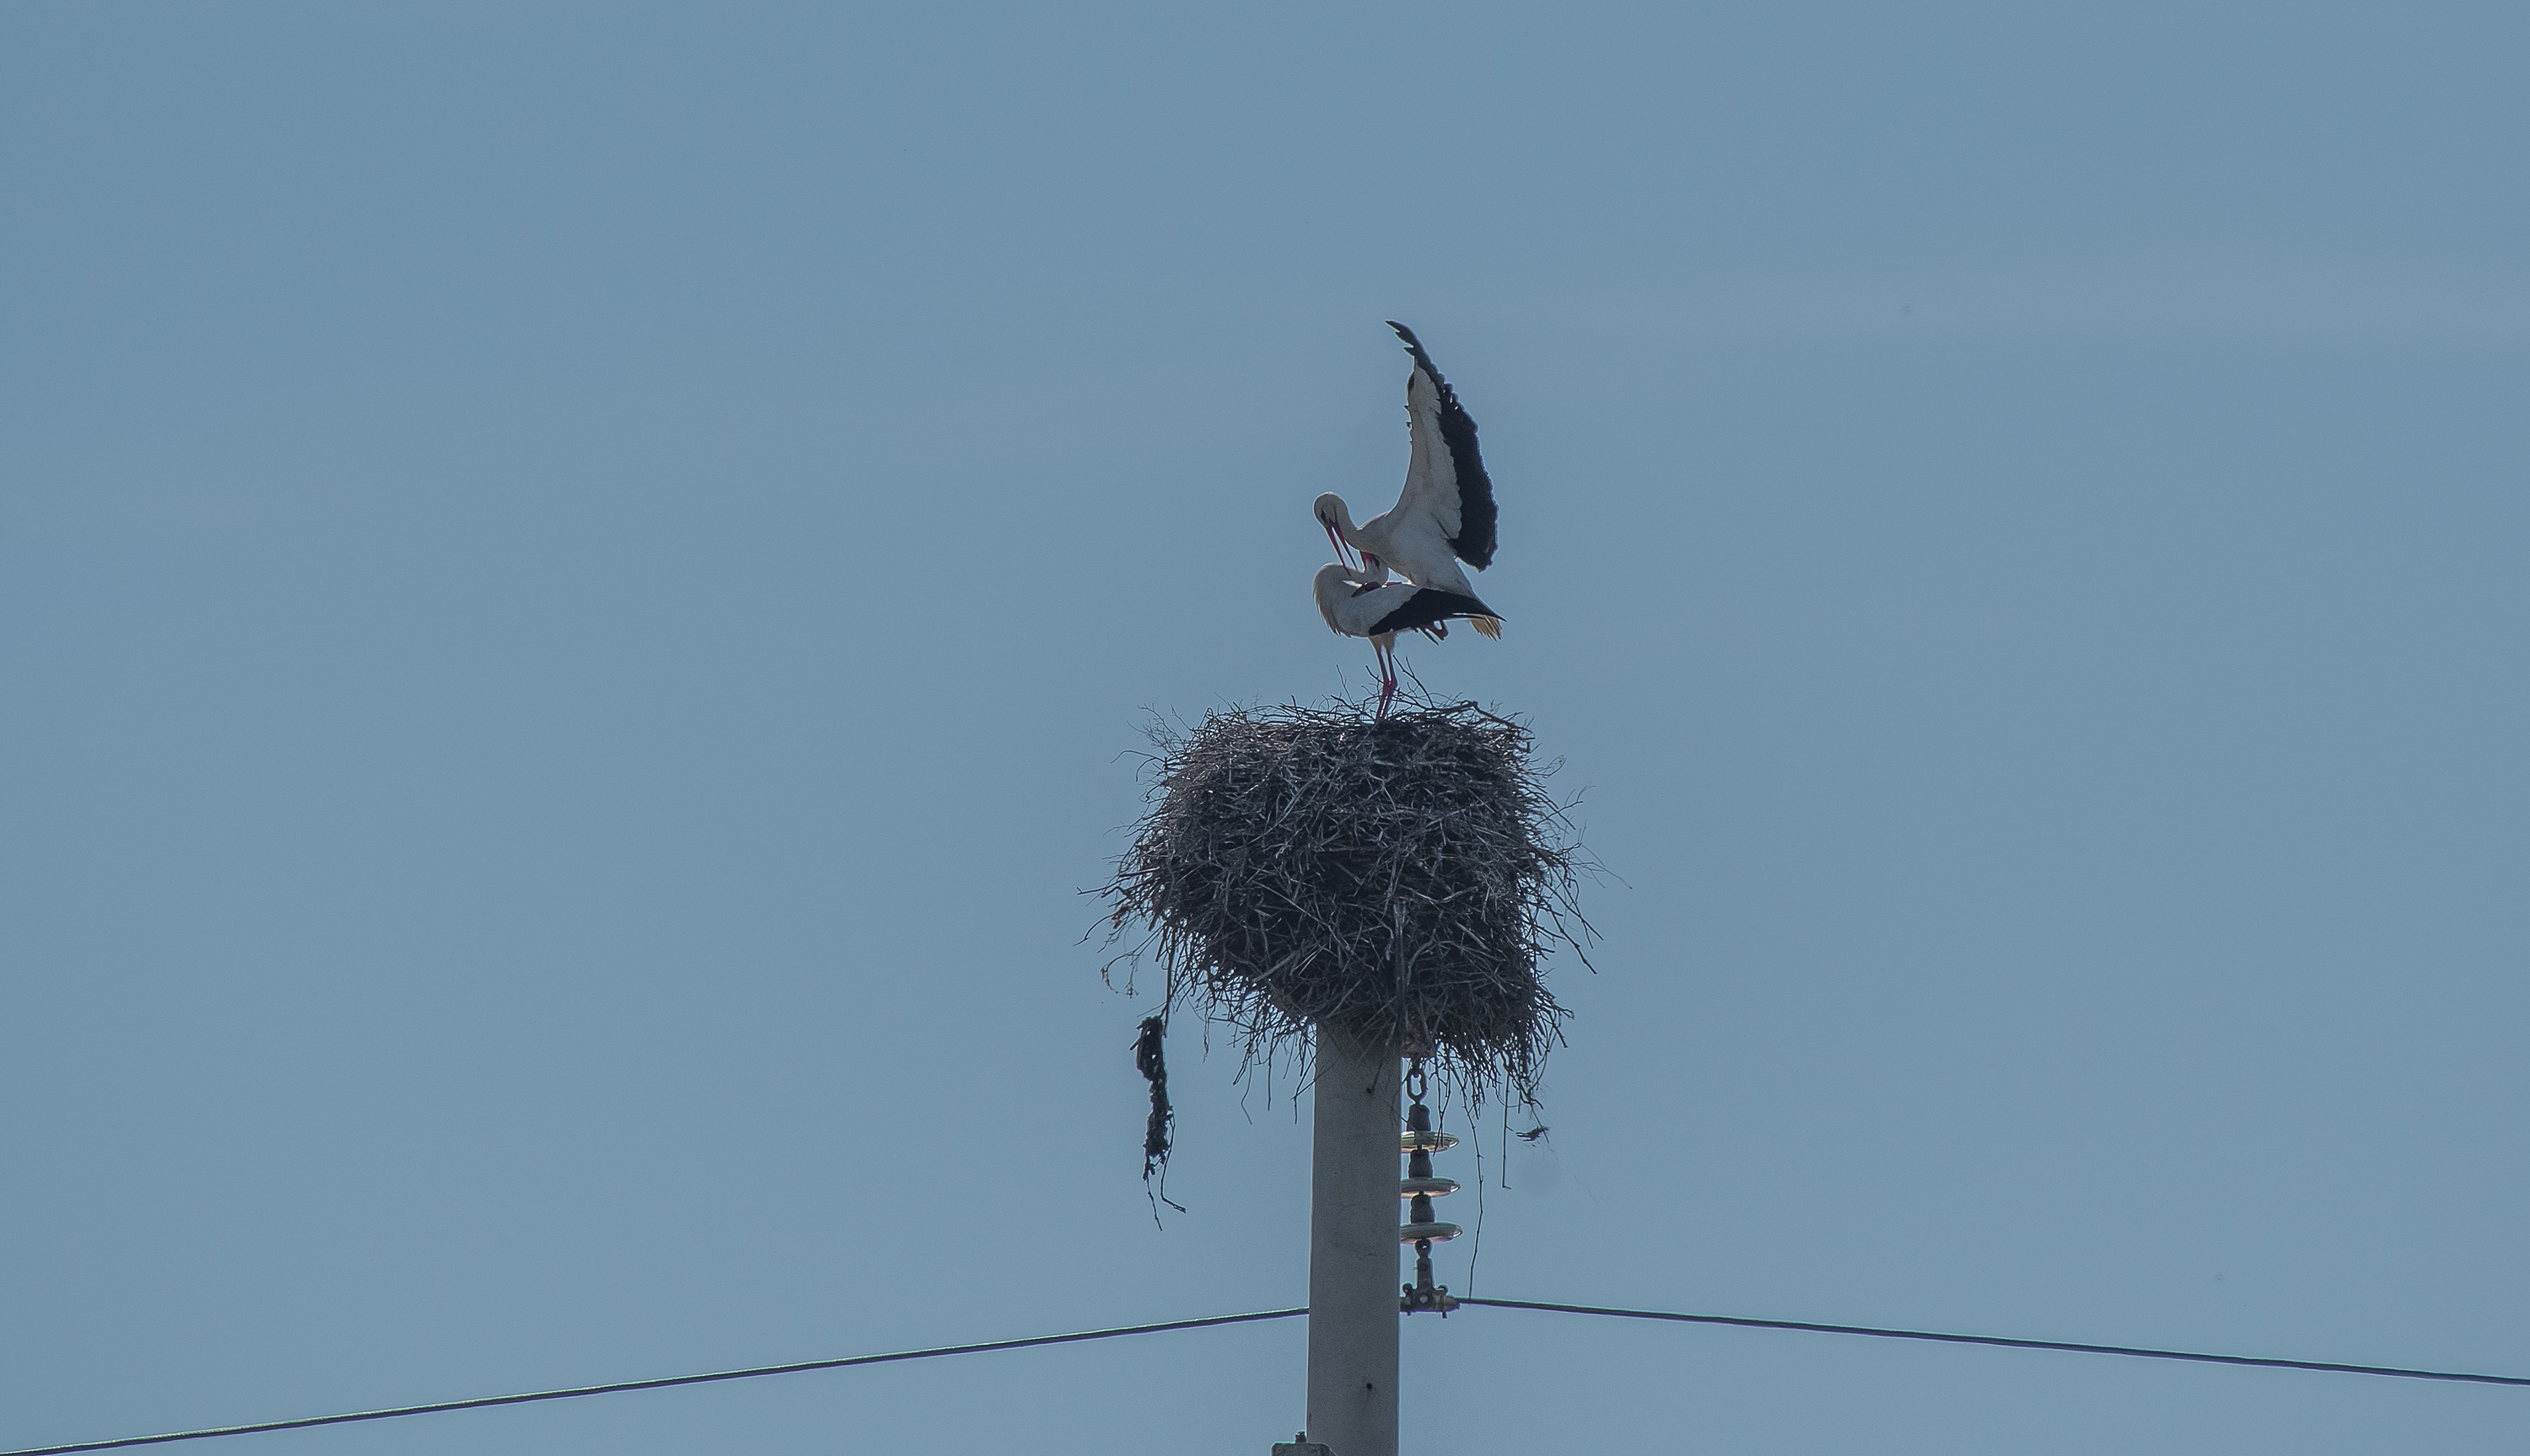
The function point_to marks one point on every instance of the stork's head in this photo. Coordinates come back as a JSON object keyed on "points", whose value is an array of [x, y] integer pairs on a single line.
{"points": [[1333, 585], [1331, 512]]}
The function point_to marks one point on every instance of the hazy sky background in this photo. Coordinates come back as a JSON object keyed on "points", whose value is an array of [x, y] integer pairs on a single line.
{"points": [[576, 582]]}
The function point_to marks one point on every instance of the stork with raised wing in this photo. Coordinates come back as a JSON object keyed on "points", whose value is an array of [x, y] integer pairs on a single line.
{"points": [[1358, 604], [1446, 512]]}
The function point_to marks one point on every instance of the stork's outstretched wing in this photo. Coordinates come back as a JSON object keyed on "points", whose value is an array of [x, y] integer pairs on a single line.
{"points": [[1399, 608], [1445, 476]]}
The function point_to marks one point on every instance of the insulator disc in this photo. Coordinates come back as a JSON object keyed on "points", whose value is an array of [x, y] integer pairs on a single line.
{"points": [[1426, 1142], [1437, 1232], [1437, 1187]]}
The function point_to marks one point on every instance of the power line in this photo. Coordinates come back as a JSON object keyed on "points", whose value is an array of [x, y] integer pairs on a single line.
{"points": [[1996, 1339], [657, 1384], [1739, 1322]]}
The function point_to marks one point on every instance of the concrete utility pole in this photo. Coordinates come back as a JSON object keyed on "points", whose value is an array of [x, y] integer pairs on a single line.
{"points": [[1352, 1248]]}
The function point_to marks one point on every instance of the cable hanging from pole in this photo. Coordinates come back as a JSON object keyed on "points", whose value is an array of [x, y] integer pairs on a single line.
{"points": [[2069, 1346], [660, 1384], [2328, 1366]]}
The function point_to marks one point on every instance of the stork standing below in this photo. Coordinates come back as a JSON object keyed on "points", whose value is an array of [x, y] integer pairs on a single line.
{"points": [[1446, 513], [1360, 604]]}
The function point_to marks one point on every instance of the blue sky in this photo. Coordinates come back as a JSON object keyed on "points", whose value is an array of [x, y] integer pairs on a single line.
{"points": [[577, 582]]}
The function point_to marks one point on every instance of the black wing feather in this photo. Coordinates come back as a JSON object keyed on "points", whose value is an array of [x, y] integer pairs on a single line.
{"points": [[1427, 607], [1474, 543]]}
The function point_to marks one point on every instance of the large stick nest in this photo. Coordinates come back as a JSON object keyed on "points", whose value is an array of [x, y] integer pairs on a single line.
{"points": [[1402, 879]]}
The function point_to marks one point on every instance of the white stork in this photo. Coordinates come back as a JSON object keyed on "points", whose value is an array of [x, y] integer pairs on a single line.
{"points": [[1360, 604], [1446, 512]]}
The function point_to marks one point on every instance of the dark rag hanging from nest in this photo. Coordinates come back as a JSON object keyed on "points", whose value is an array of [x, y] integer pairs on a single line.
{"points": [[1152, 1063]]}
